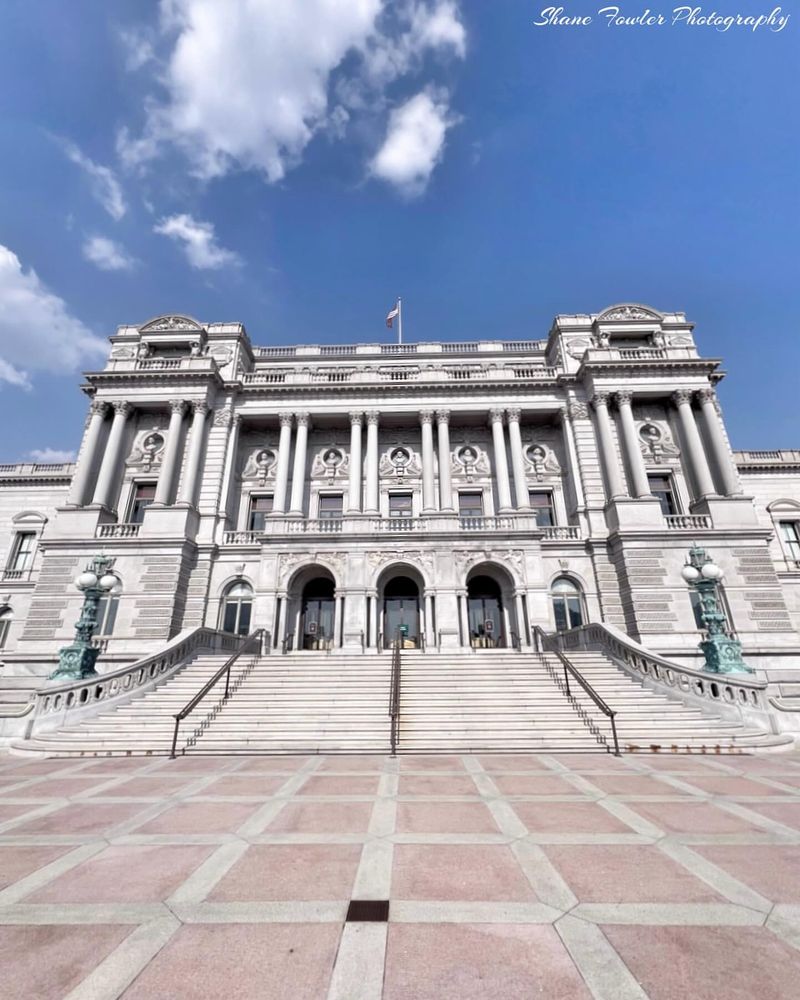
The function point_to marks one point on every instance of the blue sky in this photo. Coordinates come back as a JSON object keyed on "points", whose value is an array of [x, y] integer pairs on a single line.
{"points": [[296, 165]]}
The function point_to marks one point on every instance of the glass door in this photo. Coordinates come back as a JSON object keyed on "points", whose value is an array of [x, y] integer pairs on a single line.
{"points": [[401, 613], [318, 622], [485, 621]]}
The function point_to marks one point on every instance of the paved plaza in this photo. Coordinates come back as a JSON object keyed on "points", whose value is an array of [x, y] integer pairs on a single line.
{"points": [[516, 876]]}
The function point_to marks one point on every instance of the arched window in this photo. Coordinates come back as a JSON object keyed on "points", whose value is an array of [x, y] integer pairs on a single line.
{"points": [[567, 604], [237, 607], [5, 625], [107, 610]]}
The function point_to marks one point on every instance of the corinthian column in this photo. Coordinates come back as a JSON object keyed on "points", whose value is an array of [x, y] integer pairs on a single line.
{"points": [[282, 471], [354, 499], [230, 459], [299, 469], [722, 455], [371, 470], [694, 444], [428, 495], [445, 483], [83, 473], [518, 460], [194, 453], [607, 450], [106, 480], [169, 464], [500, 462], [633, 452]]}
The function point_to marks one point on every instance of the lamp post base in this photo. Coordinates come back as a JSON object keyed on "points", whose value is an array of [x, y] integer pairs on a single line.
{"points": [[724, 655], [75, 663]]}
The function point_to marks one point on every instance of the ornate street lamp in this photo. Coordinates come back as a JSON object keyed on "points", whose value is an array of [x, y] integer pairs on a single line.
{"points": [[77, 661], [722, 652]]}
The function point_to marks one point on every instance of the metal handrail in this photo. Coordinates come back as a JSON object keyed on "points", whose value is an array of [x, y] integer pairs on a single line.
{"points": [[544, 643], [253, 643], [394, 695]]}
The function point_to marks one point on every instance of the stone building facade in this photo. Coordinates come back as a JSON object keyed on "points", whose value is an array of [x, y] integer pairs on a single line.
{"points": [[462, 492]]}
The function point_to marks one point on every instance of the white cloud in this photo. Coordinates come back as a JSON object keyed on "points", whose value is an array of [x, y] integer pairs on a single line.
{"points": [[51, 455], [104, 184], [37, 331], [107, 255], [199, 242], [414, 142], [138, 46]]}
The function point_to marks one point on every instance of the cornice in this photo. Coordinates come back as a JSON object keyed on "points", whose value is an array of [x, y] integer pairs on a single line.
{"points": [[660, 366]]}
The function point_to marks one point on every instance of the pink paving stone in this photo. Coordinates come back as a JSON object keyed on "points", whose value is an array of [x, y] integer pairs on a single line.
{"points": [[291, 872], [692, 817], [771, 869], [434, 762], [47, 962], [790, 779], [17, 861], [60, 788], [82, 818], [722, 784], [708, 963], [600, 761], [347, 764], [464, 872], [605, 873], [322, 817], [124, 874], [344, 784], [11, 810], [681, 761], [35, 768], [241, 962], [436, 784], [513, 762], [260, 785], [146, 787], [284, 764], [111, 766], [479, 962], [632, 784], [787, 813], [197, 765], [444, 817], [201, 817], [568, 817], [534, 784]]}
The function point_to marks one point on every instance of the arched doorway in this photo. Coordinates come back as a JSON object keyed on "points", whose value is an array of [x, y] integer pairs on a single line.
{"points": [[401, 612], [485, 617], [318, 614]]}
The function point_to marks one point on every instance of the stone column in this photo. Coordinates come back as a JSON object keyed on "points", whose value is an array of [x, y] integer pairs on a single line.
{"points": [[694, 444], [445, 481], [194, 454], [722, 455], [169, 464], [518, 460], [299, 468], [106, 478], [428, 490], [230, 461], [463, 619], [371, 468], [607, 450], [83, 474], [641, 487], [522, 630], [430, 637], [354, 499], [572, 451], [500, 462], [338, 618], [282, 471], [372, 604]]}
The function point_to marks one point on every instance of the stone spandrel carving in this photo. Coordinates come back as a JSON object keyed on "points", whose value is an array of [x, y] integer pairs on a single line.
{"points": [[330, 462], [469, 460], [400, 461], [123, 352], [221, 354], [578, 347], [656, 441], [148, 448], [171, 324], [541, 457], [260, 464], [628, 311]]}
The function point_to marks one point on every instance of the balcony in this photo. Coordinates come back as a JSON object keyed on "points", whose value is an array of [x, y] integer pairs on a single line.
{"points": [[400, 373], [123, 530], [16, 575], [688, 522]]}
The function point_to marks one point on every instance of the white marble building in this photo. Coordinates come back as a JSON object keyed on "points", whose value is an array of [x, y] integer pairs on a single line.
{"points": [[464, 492]]}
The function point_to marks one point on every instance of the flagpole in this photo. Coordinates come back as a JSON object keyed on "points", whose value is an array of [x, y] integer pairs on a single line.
{"points": [[399, 320]]}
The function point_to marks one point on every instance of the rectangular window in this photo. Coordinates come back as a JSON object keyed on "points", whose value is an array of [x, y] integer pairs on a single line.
{"points": [[259, 508], [400, 504], [470, 505], [331, 506], [542, 504], [22, 557], [661, 487], [143, 496], [107, 614], [790, 534], [4, 626]]}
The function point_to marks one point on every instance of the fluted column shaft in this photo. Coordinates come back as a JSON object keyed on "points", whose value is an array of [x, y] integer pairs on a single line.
{"points": [[722, 455], [694, 443], [518, 460], [230, 459], [428, 489], [371, 469], [194, 454], [282, 471], [113, 453], [169, 464], [445, 481], [500, 461], [299, 469], [633, 452], [605, 436], [80, 483], [354, 499]]}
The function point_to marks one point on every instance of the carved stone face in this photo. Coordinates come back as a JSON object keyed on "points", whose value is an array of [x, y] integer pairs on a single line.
{"points": [[468, 455], [650, 433], [153, 443], [333, 457], [265, 458], [400, 457], [536, 454]]}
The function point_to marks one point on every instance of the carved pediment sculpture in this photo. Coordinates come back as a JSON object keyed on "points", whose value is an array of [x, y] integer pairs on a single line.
{"points": [[541, 458], [330, 462], [400, 461], [171, 324], [628, 311], [655, 440], [260, 463], [148, 449], [470, 460]]}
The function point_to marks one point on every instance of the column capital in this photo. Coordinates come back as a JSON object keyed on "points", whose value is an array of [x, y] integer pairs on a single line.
{"points": [[624, 397], [426, 416], [707, 395], [442, 416], [200, 406], [285, 419], [514, 414], [98, 406], [303, 418], [123, 408], [681, 396], [600, 400], [578, 410], [177, 406], [356, 418], [496, 416], [373, 416]]}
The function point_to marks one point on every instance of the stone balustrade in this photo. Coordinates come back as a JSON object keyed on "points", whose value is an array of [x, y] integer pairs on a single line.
{"points": [[364, 376], [688, 522], [120, 530]]}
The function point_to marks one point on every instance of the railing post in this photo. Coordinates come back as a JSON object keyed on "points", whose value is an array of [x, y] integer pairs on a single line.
{"points": [[175, 737], [614, 734]]}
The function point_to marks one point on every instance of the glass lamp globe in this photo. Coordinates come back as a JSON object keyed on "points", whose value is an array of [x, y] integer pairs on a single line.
{"points": [[108, 582], [690, 573], [86, 580], [712, 572]]}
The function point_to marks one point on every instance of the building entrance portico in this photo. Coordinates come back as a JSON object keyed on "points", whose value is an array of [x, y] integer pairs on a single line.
{"points": [[491, 619], [312, 618]]}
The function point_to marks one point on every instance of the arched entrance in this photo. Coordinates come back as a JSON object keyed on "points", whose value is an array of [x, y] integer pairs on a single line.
{"points": [[401, 612], [318, 614], [491, 621]]}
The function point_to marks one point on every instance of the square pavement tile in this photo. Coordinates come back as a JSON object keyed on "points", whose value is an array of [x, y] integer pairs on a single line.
{"points": [[568, 817], [534, 784], [241, 962], [322, 817], [690, 817], [282, 764], [478, 962], [789, 778], [200, 817], [152, 787], [340, 784], [600, 761], [708, 963], [124, 874], [83, 818], [632, 784], [47, 962], [347, 763], [602, 873], [771, 869], [787, 813], [513, 762], [17, 861], [290, 872], [60, 788], [459, 872], [433, 762], [36, 768], [730, 785], [261, 786], [12, 810], [678, 761], [445, 817], [435, 785], [117, 766], [196, 764]]}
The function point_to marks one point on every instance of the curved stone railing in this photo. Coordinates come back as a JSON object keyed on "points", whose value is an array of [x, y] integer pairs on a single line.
{"points": [[61, 704]]}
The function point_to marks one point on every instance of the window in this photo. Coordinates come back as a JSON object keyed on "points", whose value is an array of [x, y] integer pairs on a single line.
{"points": [[470, 505], [5, 624], [107, 614], [790, 536], [237, 607], [400, 504], [143, 496], [567, 604], [22, 554], [259, 508], [542, 504], [331, 506], [661, 488]]}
